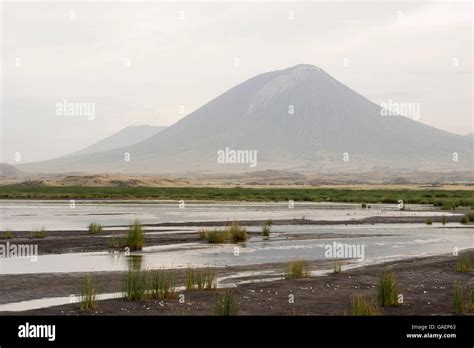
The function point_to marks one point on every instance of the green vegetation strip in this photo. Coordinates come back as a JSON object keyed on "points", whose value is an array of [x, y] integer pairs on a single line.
{"points": [[444, 198]]}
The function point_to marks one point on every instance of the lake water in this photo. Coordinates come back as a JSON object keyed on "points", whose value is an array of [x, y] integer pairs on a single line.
{"points": [[58, 215], [380, 243]]}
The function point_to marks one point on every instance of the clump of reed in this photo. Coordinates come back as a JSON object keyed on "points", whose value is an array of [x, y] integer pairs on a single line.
{"points": [[162, 284], [41, 233], [88, 298], [201, 279], [266, 231], [237, 234], [463, 298], [231, 234], [297, 269], [135, 285], [362, 305], [154, 284], [458, 298], [213, 237], [95, 228], [337, 267], [463, 263], [135, 238], [226, 304], [468, 217], [7, 234], [387, 290]]}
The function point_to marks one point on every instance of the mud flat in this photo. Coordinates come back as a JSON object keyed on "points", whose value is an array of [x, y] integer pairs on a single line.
{"points": [[425, 283]]}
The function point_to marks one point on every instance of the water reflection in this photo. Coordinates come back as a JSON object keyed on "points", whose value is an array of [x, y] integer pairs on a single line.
{"points": [[134, 262]]}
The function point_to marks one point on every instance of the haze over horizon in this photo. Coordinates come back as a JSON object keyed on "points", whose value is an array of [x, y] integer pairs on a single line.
{"points": [[156, 63]]}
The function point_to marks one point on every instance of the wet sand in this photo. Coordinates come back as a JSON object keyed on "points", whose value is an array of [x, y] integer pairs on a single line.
{"points": [[425, 283]]}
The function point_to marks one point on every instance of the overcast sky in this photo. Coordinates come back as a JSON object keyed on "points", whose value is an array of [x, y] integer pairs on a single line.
{"points": [[140, 62]]}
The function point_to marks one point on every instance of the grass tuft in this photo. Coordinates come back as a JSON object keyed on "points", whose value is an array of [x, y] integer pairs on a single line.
{"points": [[226, 304], [163, 284], [237, 234], [466, 219], [266, 231], [135, 238], [135, 285], [458, 298], [232, 234], [337, 267], [41, 233], [297, 269], [364, 305], [470, 304], [95, 228], [204, 279], [88, 298], [463, 264], [7, 234], [387, 291], [213, 237]]}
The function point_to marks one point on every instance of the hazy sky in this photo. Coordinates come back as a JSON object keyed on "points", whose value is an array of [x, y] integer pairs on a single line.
{"points": [[146, 63]]}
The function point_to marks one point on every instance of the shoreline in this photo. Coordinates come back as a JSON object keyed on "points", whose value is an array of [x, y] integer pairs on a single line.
{"points": [[426, 284]]}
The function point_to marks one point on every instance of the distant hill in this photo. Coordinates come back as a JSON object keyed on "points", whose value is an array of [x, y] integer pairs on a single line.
{"points": [[296, 119], [125, 137], [9, 170]]}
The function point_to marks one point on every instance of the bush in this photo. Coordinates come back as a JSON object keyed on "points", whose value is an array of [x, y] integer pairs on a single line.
{"points": [[429, 222], [465, 219], [7, 234]]}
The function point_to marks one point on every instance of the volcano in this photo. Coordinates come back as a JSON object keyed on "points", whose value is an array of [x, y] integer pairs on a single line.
{"points": [[299, 119]]}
